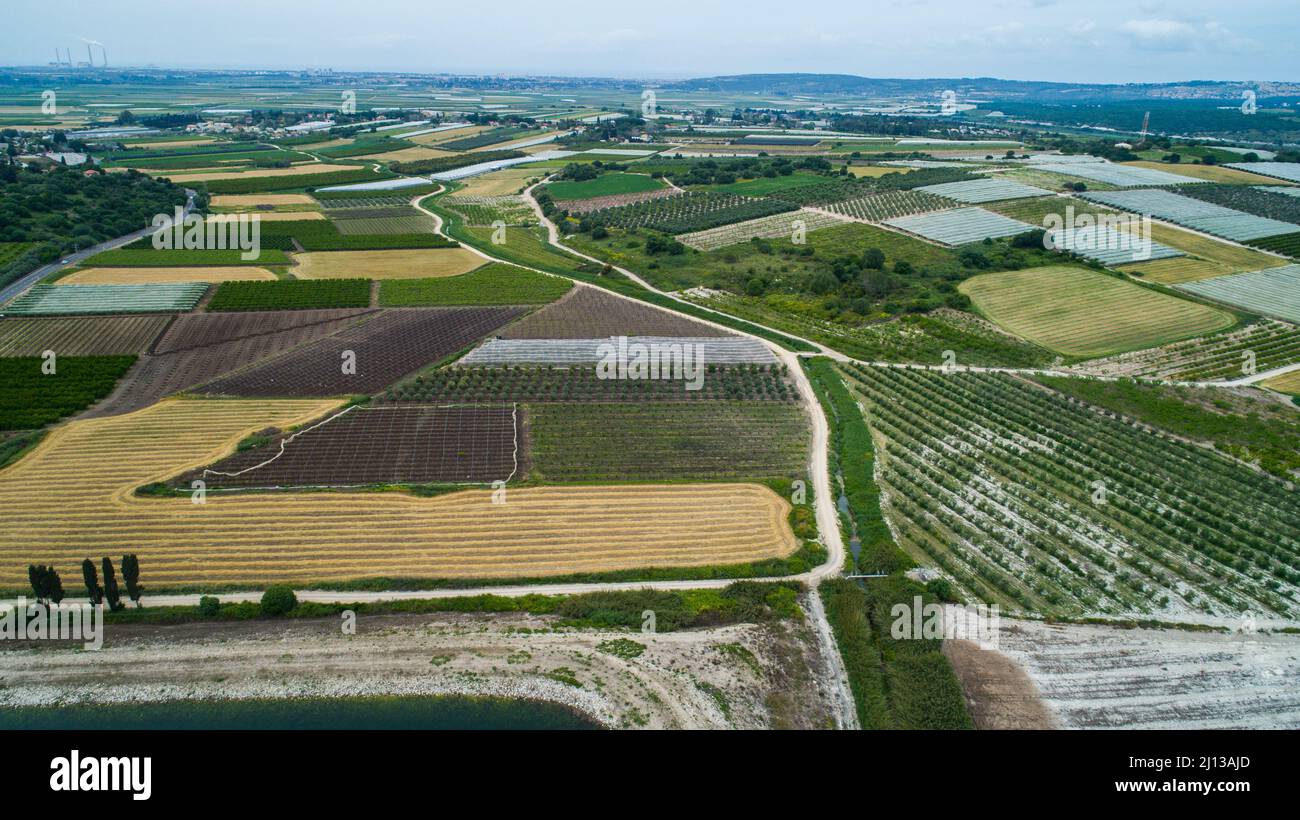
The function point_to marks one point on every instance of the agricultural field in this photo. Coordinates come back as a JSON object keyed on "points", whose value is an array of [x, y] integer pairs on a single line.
{"points": [[212, 274], [688, 212], [199, 347], [1208, 173], [1286, 383], [1288, 171], [578, 207], [144, 255], [889, 205], [1286, 244], [577, 383], [979, 191], [1268, 343], [383, 347], [492, 284], [399, 220], [385, 264], [1207, 217], [594, 313], [82, 479], [1081, 312], [777, 226], [506, 182], [486, 210], [960, 226], [70, 300], [995, 480], [1122, 176], [612, 184], [715, 350], [30, 397], [396, 444], [97, 336], [1272, 292], [240, 202], [667, 441], [291, 295], [1250, 200]]}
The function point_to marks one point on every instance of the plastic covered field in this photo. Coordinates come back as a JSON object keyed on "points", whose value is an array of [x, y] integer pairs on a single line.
{"points": [[1272, 292], [1201, 216], [976, 191], [1110, 246], [67, 300], [960, 226], [734, 350], [1124, 176], [1289, 171]]}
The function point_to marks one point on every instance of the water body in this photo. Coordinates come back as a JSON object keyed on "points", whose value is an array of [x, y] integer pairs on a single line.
{"points": [[436, 712]]}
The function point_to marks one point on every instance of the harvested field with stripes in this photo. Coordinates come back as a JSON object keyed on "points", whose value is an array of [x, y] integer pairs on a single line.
{"points": [[397, 444], [1081, 312], [399, 264], [386, 346], [73, 300], [667, 441], [777, 226], [715, 350], [203, 346], [584, 384], [593, 313], [1268, 343], [1286, 383], [142, 276], [90, 336], [73, 496]]}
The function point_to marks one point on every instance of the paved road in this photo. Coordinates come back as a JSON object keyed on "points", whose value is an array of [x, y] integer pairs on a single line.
{"points": [[16, 288]]}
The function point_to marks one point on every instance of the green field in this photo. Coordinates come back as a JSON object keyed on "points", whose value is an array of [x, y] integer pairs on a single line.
{"points": [[604, 185], [31, 398], [150, 258], [1081, 312], [493, 284], [294, 294]]}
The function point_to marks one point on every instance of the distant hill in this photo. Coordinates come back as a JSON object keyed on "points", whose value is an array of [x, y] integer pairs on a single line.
{"points": [[783, 85]]}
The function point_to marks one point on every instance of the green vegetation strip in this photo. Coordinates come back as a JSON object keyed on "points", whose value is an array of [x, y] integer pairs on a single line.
{"points": [[493, 284], [296, 294], [31, 397]]}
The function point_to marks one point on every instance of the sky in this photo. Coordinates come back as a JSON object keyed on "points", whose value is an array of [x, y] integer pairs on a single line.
{"points": [[1111, 41]]}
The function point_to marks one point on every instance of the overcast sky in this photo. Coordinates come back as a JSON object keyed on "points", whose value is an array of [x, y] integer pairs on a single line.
{"points": [[1099, 41]]}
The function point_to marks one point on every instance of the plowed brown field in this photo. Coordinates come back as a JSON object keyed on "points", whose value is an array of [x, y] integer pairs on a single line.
{"points": [[72, 497]]}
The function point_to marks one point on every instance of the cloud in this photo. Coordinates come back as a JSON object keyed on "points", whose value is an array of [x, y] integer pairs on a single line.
{"points": [[1160, 34]]}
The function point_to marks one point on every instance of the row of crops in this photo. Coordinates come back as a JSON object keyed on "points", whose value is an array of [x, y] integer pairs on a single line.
{"points": [[1271, 292], [1260, 201], [1025, 497], [70, 300], [1267, 344], [1193, 213], [878, 207], [783, 226], [486, 210], [689, 212]]}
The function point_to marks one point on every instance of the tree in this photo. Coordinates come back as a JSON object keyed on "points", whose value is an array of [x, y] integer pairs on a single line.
{"points": [[36, 575], [111, 592], [131, 575], [278, 600], [873, 258], [209, 606], [93, 589], [54, 585]]}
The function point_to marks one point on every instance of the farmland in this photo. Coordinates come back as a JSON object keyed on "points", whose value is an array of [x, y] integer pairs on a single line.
{"points": [[612, 184], [485, 210], [1269, 343], [591, 313], [98, 336], [149, 257], [889, 204], [1079, 312], [492, 284], [69, 300], [688, 212], [384, 347], [1208, 217], [388, 445], [385, 264], [667, 441], [291, 295], [569, 384], [147, 275], [1271, 292], [82, 476], [30, 397], [1251, 200], [783, 226], [995, 482]]}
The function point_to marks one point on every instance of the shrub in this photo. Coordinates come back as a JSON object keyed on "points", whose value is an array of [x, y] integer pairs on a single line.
{"points": [[278, 600], [210, 606]]}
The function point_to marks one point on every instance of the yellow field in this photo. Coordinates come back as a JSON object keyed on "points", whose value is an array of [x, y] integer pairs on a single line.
{"points": [[254, 200], [449, 134], [268, 216], [305, 168], [408, 154], [1081, 312], [73, 497], [1213, 173], [1286, 383], [498, 183], [403, 264], [149, 276], [168, 145], [874, 171]]}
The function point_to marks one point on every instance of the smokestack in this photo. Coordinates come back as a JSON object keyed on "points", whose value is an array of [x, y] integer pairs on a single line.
{"points": [[104, 51], [90, 56]]}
